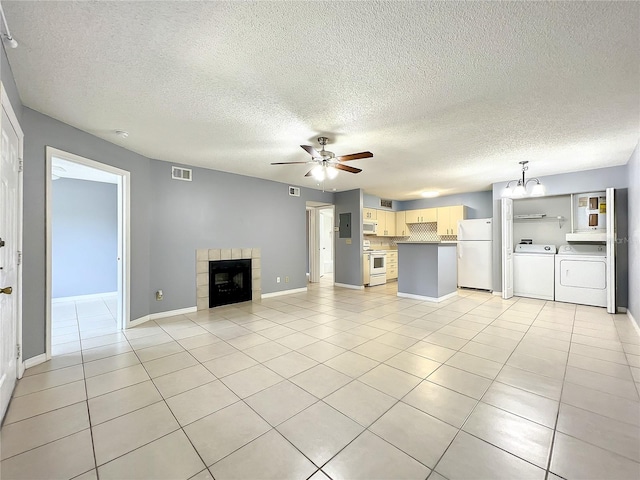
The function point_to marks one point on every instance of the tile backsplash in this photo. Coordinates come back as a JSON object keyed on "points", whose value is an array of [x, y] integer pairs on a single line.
{"points": [[418, 232]]}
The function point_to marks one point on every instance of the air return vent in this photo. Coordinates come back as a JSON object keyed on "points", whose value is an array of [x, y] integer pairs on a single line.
{"points": [[386, 203], [294, 191], [179, 173]]}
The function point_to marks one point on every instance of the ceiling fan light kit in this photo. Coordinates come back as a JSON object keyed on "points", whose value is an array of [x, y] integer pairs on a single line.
{"points": [[327, 163], [520, 189]]}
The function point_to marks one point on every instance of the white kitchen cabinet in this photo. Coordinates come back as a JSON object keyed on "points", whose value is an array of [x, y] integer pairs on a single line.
{"points": [[447, 218], [392, 265], [424, 215]]}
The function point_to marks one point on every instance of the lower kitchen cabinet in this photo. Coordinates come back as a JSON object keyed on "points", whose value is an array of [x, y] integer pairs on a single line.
{"points": [[392, 265]]}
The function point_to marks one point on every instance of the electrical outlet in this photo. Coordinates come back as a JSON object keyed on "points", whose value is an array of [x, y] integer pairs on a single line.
{"points": [[277, 279], [159, 295], [286, 279]]}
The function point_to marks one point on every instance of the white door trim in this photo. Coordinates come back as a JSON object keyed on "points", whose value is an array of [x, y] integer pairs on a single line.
{"points": [[124, 236], [8, 108]]}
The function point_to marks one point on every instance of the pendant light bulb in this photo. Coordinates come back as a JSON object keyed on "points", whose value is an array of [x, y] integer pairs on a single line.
{"points": [[318, 173], [332, 172]]}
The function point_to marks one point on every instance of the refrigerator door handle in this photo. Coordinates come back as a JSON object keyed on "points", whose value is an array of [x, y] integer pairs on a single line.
{"points": [[459, 250]]}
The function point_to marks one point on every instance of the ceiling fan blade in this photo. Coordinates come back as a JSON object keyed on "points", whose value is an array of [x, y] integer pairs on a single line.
{"points": [[346, 168], [311, 151], [309, 173], [288, 163], [354, 156]]}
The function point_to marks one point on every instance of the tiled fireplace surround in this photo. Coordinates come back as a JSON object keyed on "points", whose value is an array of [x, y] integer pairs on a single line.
{"points": [[206, 255]]}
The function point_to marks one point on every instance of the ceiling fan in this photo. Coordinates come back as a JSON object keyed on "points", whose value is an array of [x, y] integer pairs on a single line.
{"points": [[327, 163]]}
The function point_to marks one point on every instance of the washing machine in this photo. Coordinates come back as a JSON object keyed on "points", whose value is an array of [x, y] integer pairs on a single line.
{"points": [[534, 271], [581, 274]]}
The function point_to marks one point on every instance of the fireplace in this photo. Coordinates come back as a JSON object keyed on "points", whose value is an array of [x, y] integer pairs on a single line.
{"points": [[229, 282]]}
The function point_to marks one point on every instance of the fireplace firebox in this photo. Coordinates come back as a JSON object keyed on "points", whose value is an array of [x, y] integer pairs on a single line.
{"points": [[229, 282]]}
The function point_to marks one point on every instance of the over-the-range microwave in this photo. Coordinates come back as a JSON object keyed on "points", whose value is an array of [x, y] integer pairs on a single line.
{"points": [[369, 228]]}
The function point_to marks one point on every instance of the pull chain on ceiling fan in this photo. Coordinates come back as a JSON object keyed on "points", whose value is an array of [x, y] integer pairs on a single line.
{"points": [[327, 163]]}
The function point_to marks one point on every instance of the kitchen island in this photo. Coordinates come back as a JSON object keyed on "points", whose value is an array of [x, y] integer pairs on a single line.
{"points": [[427, 270]]}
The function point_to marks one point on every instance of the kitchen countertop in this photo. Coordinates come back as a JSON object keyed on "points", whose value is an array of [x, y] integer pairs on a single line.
{"points": [[427, 243]]}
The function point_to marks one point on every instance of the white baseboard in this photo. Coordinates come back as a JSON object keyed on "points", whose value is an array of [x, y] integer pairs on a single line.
{"points": [[347, 285], [33, 361], [284, 292], [427, 299], [79, 298], [155, 316], [496, 293], [633, 322]]}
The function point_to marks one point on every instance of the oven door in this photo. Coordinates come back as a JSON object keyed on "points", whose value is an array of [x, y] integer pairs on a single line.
{"points": [[378, 263]]}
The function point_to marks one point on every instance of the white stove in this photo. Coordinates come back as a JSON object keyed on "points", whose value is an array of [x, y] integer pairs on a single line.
{"points": [[377, 264]]}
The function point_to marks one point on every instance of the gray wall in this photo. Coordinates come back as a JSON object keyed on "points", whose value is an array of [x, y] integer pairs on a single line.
{"points": [[223, 210], [9, 83], [84, 234], [348, 257], [634, 233], [545, 230], [563, 184], [371, 201], [478, 203]]}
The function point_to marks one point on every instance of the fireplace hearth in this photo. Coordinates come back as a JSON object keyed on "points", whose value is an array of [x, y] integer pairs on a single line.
{"points": [[229, 282]]}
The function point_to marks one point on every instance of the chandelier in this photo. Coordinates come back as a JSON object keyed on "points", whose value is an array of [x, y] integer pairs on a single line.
{"points": [[520, 189]]}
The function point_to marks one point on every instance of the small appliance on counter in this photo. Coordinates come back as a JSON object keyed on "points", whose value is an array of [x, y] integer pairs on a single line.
{"points": [[475, 253]]}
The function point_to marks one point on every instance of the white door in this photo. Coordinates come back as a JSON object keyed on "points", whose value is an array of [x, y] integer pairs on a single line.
{"points": [[611, 250], [9, 232], [326, 241], [507, 248]]}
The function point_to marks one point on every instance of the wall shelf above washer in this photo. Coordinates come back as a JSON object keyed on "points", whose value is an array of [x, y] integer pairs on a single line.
{"points": [[528, 216]]}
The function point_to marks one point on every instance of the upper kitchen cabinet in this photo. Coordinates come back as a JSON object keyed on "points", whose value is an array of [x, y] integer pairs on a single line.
{"points": [[386, 223], [448, 219], [424, 215], [402, 230], [369, 214]]}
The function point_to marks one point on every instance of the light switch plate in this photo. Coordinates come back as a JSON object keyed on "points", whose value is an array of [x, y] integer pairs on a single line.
{"points": [[348, 241]]}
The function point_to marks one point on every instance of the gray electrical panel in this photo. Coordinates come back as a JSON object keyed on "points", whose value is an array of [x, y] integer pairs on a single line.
{"points": [[345, 225]]}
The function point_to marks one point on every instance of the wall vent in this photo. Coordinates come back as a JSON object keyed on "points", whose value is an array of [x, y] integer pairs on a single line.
{"points": [[294, 191], [179, 173], [386, 203]]}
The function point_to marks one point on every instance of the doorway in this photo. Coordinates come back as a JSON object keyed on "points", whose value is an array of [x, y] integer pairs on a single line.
{"points": [[87, 252], [11, 366], [320, 242]]}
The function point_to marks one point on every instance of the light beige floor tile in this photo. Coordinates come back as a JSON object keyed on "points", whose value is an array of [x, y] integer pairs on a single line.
{"points": [[320, 432], [545, 367], [150, 341], [268, 457], [488, 352], [247, 341], [598, 353], [252, 380], [198, 340], [223, 366], [440, 402], [432, 351], [533, 407], [203, 475], [602, 403], [360, 402], [280, 402], [266, 351], [600, 366], [39, 430], [352, 364], [414, 432], [65, 458], [109, 364], [321, 351], [495, 341], [105, 351], [296, 340], [152, 353], [447, 341], [90, 475], [320, 380], [390, 380], [462, 382], [201, 401], [168, 458], [210, 352], [573, 458], [221, 433], [370, 457], [55, 363], [471, 458], [514, 434], [290, 364], [276, 332], [128, 432], [123, 401], [396, 340], [103, 340], [617, 437], [531, 382], [346, 340], [45, 401], [108, 382], [413, 364], [604, 383], [183, 380], [169, 364], [43, 381]]}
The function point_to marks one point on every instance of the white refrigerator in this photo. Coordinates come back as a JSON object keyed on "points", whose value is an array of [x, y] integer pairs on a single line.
{"points": [[475, 253]]}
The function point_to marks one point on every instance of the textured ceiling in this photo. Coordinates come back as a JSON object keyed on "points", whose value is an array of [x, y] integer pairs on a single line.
{"points": [[448, 96]]}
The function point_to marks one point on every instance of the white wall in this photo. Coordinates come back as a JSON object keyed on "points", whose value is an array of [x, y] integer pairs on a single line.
{"points": [[634, 233]]}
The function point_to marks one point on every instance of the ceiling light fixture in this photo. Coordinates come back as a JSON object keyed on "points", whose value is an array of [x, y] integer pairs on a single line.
{"points": [[8, 39], [323, 171], [430, 194], [520, 190], [122, 133]]}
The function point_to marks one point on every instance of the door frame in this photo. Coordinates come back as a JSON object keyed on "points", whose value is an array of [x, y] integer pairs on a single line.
{"points": [[8, 108], [124, 237], [506, 223], [315, 256]]}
